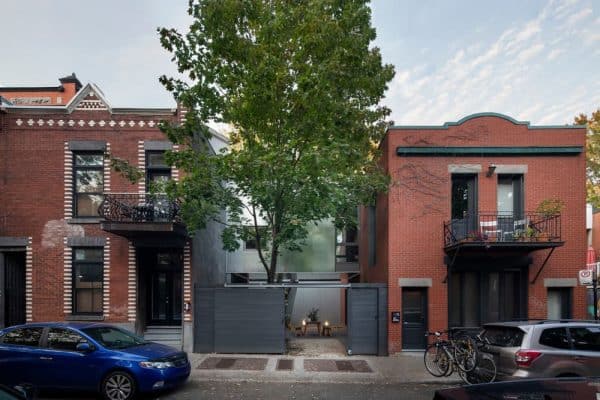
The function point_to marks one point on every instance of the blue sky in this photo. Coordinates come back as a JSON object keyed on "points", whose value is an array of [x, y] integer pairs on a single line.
{"points": [[533, 60]]}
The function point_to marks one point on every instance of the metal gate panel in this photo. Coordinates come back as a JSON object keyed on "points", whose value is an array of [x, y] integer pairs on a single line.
{"points": [[204, 320], [367, 322]]}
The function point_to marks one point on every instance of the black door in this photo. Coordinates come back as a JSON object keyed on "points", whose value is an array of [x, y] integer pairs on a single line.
{"points": [[165, 289], [363, 330], [12, 288], [414, 318], [464, 205]]}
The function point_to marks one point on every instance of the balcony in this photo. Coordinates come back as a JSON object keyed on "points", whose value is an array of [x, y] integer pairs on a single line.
{"points": [[146, 218], [529, 231]]}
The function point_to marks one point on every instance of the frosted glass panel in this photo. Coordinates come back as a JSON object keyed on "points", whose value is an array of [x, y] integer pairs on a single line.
{"points": [[505, 197]]}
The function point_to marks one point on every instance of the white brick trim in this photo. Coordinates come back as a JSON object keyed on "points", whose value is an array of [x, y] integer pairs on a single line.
{"points": [[29, 280], [131, 284], [106, 172], [175, 171], [68, 181], [187, 280], [67, 278], [142, 167], [106, 280]]}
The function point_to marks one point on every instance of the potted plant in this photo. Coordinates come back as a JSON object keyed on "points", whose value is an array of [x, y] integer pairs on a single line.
{"points": [[313, 315], [550, 207]]}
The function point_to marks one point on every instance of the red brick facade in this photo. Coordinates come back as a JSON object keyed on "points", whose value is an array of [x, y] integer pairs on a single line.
{"points": [[36, 183], [411, 216]]}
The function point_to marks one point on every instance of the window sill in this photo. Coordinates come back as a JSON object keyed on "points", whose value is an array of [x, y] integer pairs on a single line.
{"points": [[83, 317], [91, 220]]}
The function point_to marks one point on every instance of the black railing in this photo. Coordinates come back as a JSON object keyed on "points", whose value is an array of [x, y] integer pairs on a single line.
{"points": [[499, 227], [138, 207]]}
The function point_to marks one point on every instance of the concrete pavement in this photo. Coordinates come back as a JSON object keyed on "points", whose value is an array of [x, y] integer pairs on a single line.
{"points": [[406, 367]]}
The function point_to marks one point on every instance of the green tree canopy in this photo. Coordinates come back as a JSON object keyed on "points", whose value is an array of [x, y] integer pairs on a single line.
{"points": [[300, 85], [593, 155]]}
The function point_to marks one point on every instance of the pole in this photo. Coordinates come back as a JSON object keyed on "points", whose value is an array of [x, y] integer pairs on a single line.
{"points": [[594, 288]]}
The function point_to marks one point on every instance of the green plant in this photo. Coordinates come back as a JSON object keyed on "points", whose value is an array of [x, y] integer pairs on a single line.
{"points": [[313, 315], [550, 207]]}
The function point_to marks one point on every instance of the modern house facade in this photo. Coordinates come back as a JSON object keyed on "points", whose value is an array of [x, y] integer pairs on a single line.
{"points": [[78, 241], [484, 221]]}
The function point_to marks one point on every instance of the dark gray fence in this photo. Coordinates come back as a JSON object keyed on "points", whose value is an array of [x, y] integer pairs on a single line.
{"points": [[367, 319], [239, 320]]}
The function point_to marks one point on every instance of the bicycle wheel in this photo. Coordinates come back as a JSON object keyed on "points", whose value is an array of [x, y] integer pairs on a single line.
{"points": [[436, 360], [465, 353], [484, 372]]}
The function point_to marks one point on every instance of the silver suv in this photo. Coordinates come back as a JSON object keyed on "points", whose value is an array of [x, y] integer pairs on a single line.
{"points": [[540, 349]]}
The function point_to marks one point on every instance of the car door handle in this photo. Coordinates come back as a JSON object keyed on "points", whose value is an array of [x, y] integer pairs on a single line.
{"points": [[580, 358], [45, 358]]}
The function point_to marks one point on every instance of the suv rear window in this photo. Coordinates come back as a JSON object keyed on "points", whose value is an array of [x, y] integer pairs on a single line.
{"points": [[503, 336]]}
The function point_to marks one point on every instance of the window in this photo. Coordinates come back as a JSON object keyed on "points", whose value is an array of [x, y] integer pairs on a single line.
{"points": [[586, 338], [89, 183], [157, 169], [559, 303], [87, 280], [23, 337], [372, 226], [250, 241], [113, 338], [64, 339], [463, 207], [555, 337], [504, 336], [346, 245]]}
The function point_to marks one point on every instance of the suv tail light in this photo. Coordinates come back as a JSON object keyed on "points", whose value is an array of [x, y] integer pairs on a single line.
{"points": [[524, 358]]}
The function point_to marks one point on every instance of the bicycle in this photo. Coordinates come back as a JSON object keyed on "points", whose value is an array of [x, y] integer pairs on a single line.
{"points": [[485, 369], [442, 356]]}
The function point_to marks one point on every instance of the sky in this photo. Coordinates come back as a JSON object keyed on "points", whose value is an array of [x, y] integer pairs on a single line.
{"points": [[533, 60]]}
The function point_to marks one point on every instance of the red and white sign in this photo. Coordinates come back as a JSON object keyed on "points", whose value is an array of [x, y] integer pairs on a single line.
{"points": [[586, 277]]}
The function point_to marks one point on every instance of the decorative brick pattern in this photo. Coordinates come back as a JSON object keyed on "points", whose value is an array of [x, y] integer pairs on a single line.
{"points": [[106, 280], [142, 167], [175, 171], [107, 170], [68, 181], [29, 280], [187, 279], [67, 278], [85, 123], [131, 283]]}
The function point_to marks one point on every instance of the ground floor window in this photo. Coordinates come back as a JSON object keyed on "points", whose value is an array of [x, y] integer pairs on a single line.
{"points": [[478, 297], [88, 273], [559, 303]]}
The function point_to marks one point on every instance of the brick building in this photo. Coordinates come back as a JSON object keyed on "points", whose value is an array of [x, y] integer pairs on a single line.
{"points": [[78, 241], [460, 239]]}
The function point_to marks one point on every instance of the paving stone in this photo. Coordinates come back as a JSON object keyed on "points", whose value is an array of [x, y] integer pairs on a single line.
{"points": [[247, 364], [285, 365]]}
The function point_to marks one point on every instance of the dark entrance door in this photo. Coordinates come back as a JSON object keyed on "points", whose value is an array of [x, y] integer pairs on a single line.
{"points": [[414, 318], [164, 288], [12, 288], [363, 324]]}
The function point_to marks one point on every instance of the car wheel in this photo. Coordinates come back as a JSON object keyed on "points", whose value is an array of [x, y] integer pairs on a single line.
{"points": [[118, 385]]}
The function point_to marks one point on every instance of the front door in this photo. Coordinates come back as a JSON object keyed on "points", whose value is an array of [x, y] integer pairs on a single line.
{"points": [[12, 288], [414, 318], [165, 289]]}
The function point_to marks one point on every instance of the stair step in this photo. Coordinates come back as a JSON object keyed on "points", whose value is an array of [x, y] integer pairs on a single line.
{"points": [[173, 343]]}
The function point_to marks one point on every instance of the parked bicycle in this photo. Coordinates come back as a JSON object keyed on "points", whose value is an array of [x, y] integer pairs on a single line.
{"points": [[485, 368], [443, 356]]}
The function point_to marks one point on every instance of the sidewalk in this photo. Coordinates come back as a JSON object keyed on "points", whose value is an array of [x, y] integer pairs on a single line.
{"points": [[325, 368]]}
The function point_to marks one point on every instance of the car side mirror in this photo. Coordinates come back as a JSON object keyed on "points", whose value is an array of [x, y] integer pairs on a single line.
{"points": [[26, 390], [84, 347]]}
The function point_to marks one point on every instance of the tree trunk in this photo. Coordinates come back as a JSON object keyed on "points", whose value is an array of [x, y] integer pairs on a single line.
{"points": [[272, 272]]}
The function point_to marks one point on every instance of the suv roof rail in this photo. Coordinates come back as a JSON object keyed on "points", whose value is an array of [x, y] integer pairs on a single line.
{"points": [[564, 321]]}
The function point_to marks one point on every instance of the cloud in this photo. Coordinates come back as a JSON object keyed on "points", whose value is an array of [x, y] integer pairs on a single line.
{"points": [[578, 16], [554, 53]]}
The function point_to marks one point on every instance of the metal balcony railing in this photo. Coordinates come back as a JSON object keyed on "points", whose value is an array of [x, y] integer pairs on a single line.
{"points": [[138, 207], [503, 227]]}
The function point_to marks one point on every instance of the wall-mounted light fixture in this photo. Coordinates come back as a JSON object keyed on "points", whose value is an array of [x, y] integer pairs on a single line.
{"points": [[490, 171]]}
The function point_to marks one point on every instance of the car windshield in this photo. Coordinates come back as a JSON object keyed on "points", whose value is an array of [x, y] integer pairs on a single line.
{"points": [[113, 338], [503, 336]]}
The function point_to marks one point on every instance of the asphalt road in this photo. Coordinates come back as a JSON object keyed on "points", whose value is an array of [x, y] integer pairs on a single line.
{"points": [[296, 391]]}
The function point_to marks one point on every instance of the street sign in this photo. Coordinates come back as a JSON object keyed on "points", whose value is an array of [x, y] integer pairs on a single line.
{"points": [[586, 277]]}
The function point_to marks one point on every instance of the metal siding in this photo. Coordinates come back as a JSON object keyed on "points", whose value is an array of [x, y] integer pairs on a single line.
{"points": [[362, 321], [204, 324], [249, 321], [382, 320]]}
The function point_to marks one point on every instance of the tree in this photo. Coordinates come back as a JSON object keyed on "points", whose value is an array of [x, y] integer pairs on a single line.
{"points": [[592, 149], [300, 85]]}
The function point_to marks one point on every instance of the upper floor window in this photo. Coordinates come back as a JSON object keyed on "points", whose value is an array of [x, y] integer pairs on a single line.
{"points": [[157, 169], [89, 183], [510, 195]]}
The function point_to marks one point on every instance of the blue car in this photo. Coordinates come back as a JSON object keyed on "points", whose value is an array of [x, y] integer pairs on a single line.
{"points": [[88, 357]]}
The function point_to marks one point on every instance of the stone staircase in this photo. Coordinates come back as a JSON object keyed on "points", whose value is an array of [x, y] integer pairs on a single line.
{"points": [[169, 335]]}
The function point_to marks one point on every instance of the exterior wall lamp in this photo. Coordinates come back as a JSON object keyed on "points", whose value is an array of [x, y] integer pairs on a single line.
{"points": [[490, 171]]}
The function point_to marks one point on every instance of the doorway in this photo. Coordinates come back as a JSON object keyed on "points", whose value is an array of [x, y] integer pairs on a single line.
{"points": [[414, 318], [162, 273], [12, 288]]}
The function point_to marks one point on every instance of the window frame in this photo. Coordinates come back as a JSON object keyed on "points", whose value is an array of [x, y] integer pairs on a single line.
{"points": [[74, 264], [250, 231], [163, 169], [76, 168]]}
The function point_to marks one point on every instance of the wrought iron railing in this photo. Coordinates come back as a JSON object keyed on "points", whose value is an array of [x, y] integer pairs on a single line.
{"points": [[138, 207], [503, 227]]}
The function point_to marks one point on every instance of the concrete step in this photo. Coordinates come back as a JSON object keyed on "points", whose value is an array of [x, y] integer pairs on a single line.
{"points": [[173, 343]]}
